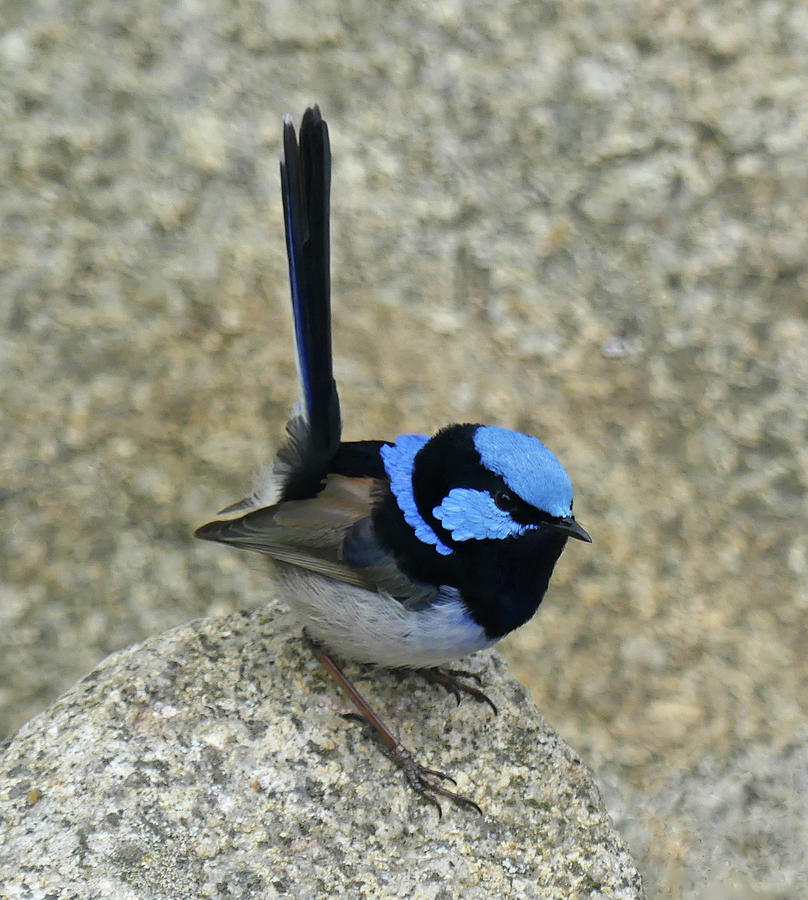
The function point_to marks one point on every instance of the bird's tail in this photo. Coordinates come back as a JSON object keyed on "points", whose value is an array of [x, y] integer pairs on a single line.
{"points": [[314, 432]]}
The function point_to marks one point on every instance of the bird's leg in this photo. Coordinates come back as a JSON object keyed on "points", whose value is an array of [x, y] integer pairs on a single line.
{"points": [[450, 679], [420, 778]]}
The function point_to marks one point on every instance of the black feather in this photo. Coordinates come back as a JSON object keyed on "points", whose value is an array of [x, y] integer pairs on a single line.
{"points": [[359, 459], [306, 188]]}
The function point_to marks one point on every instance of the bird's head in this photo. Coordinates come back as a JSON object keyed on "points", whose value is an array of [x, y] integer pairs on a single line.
{"points": [[479, 483]]}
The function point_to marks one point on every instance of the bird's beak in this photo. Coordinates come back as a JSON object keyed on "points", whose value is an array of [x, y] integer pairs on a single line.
{"points": [[570, 528]]}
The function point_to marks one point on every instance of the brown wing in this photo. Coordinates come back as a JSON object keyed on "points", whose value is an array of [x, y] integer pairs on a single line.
{"points": [[314, 534]]}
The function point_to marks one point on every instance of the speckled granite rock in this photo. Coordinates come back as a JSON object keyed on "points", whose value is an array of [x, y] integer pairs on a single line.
{"points": [[760, 799], [585, 220], [210, 761]]}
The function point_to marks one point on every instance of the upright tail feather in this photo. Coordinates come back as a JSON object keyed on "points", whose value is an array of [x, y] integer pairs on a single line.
{"points": [[314, 437]]}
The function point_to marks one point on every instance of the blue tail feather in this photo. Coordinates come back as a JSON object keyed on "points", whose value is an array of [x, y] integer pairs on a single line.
{"points": [[306, 186]]}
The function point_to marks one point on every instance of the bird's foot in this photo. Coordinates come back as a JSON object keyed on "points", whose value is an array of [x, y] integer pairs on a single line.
{"points": [[422, 781], [450, 679], [419, 778]]}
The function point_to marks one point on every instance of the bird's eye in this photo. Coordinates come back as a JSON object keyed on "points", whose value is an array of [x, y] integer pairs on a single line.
{"points": [[505, 501]]}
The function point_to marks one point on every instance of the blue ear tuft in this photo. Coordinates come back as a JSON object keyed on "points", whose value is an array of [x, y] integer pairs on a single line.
{"points": [[472, 515], [529, 469]]}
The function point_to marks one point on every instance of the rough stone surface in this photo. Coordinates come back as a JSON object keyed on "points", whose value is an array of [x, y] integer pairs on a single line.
{"points": [[760, 798], [211, 761], [585, 220]]}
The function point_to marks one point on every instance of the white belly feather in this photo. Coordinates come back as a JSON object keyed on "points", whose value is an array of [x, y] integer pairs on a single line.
{"points": [[373, 627]]}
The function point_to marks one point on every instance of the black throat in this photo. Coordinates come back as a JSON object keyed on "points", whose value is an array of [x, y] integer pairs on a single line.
{"points": [[504, 582]]}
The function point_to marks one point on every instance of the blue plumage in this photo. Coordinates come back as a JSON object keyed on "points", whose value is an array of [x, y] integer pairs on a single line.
{"points": [[472, 515], [404, 554], [399, 462], [528, 468]]}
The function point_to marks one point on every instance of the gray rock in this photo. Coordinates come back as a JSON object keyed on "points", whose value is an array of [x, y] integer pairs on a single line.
{"points": [[211, 761], [748, 822], [585, 220]]}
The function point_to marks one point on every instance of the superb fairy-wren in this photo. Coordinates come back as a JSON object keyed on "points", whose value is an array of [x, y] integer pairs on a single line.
{"points": [[407, 553]]}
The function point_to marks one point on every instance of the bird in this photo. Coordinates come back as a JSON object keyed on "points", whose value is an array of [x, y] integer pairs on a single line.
{"points": [[408, 553]]}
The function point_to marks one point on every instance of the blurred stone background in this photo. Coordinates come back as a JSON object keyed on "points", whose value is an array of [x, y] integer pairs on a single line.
{"points": [[588, 221]]}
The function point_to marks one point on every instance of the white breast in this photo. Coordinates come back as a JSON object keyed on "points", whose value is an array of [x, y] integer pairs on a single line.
{"points": [[372, 627]]}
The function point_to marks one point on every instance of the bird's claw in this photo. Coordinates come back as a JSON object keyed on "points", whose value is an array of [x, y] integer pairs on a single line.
{"points": [[450, 680], [421, 781], [463, 673]]}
